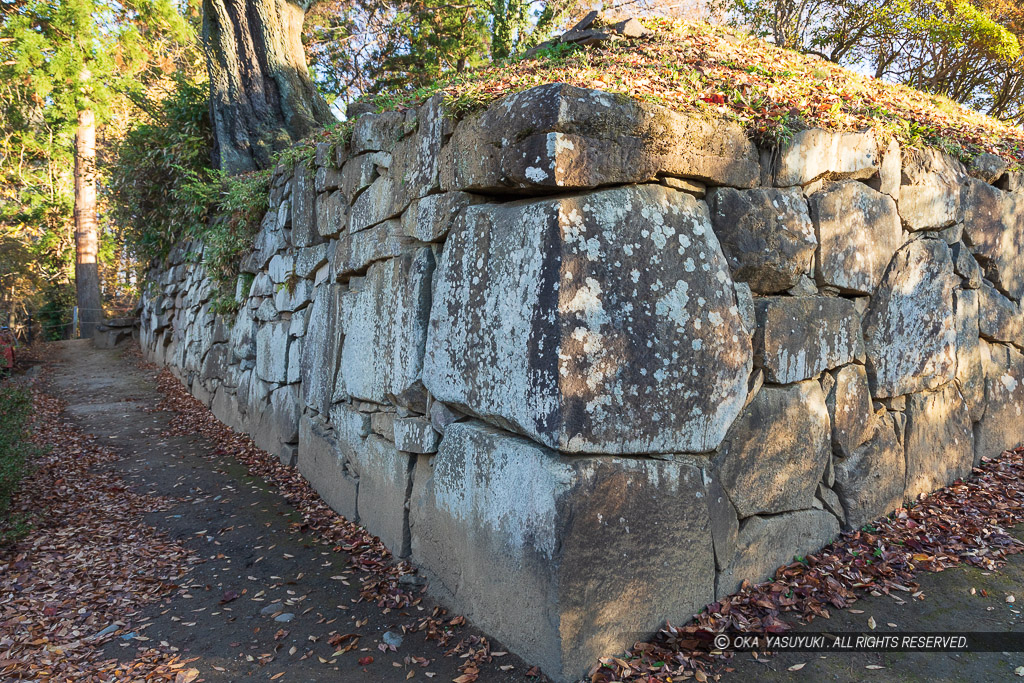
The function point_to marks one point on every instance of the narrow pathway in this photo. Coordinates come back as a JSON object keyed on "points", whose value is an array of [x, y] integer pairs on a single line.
{"points": [[269, 602]]}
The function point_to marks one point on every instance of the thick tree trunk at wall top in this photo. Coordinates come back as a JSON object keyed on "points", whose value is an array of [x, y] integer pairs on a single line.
{"points": [[261, 96]]}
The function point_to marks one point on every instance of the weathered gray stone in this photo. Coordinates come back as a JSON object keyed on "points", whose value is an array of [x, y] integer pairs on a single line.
{"points": [[994, 229], [415, 435], [533, 532], [966, 266], [561, 136], [381, 201], [441, 416], [385, 480], [890, 172], [272, 352], [331, 214], [830, 502], [383, 424], [1002, 425], [939, 444], [1012, 181], [814, 153], [523, 332], [858, 231], [767, 543], [987, 167], [321, 350], [799, 337], [970, 373], [428, 219], [327, 178], [930, 190], [766, 235], [293, 294], [355, 251], [999, 319], [385, 322], [358, 173], [309, 259], [377, 132], [323, 466], [277, 423], [724, 521], [304, 232], [870, 482], [417, 159], [351, 427], [268, 241], [775, 453], [909, 327], [850, 411]]}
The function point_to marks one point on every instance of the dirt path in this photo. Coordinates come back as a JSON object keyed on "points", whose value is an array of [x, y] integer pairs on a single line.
{"points": [[247, 535]]}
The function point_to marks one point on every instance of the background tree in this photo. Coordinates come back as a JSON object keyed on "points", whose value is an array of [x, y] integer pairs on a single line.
{"points": [[73, 59], [966, 50]]}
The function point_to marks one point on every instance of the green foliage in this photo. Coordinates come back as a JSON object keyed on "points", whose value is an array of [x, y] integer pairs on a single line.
{"points": [[15, 451], [162, 185]]}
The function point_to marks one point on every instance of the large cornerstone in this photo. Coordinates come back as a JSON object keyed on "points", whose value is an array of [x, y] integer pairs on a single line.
{"points": [[590, 363]]}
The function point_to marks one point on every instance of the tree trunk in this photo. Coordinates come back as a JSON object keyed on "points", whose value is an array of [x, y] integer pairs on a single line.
{"points": [[261, 96], [87, 274]]}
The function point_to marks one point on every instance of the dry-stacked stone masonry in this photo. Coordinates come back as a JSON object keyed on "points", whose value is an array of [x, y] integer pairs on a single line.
{"points": [[591, 363]]}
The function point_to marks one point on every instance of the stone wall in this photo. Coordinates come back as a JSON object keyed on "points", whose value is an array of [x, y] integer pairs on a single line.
{"points": [[591, 363]]}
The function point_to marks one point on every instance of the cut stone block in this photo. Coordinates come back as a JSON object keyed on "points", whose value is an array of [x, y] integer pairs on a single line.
{"points": [[775, 453], [939, 443], [813, 153], [385, 481], [415, 435], [766, 235], [321, 349], [930, 190], [909, 326], [970, 373], [799, 337], [384, 316], [589, 331], [323, 466], [560, 136], [533, 532], [1002, 425], [849, 407], [272, 352], [999, 319], [767, 543], [870, 483], [994, 229], [858, 231]]}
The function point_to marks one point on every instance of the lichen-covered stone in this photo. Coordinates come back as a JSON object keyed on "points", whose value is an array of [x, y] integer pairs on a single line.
{"points": [[385, 478], [533, 532], [384, 316], [799, 337], [331, 213], [850, 410], [987, 167], [966, 266], [930, 189], [321, 348], [428, 219], [355, 251], [377, 132], [304, 232], [939, 443], [766, 543], [773, 456], [560, 136], [813, 153], [415, 435], [970, 373], [994, 229], [1002, 425], [909, 326], [587, 331], [858, 231], [272, 352], [999, 319], [766, 235], [870, 482], [320, 462]]}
